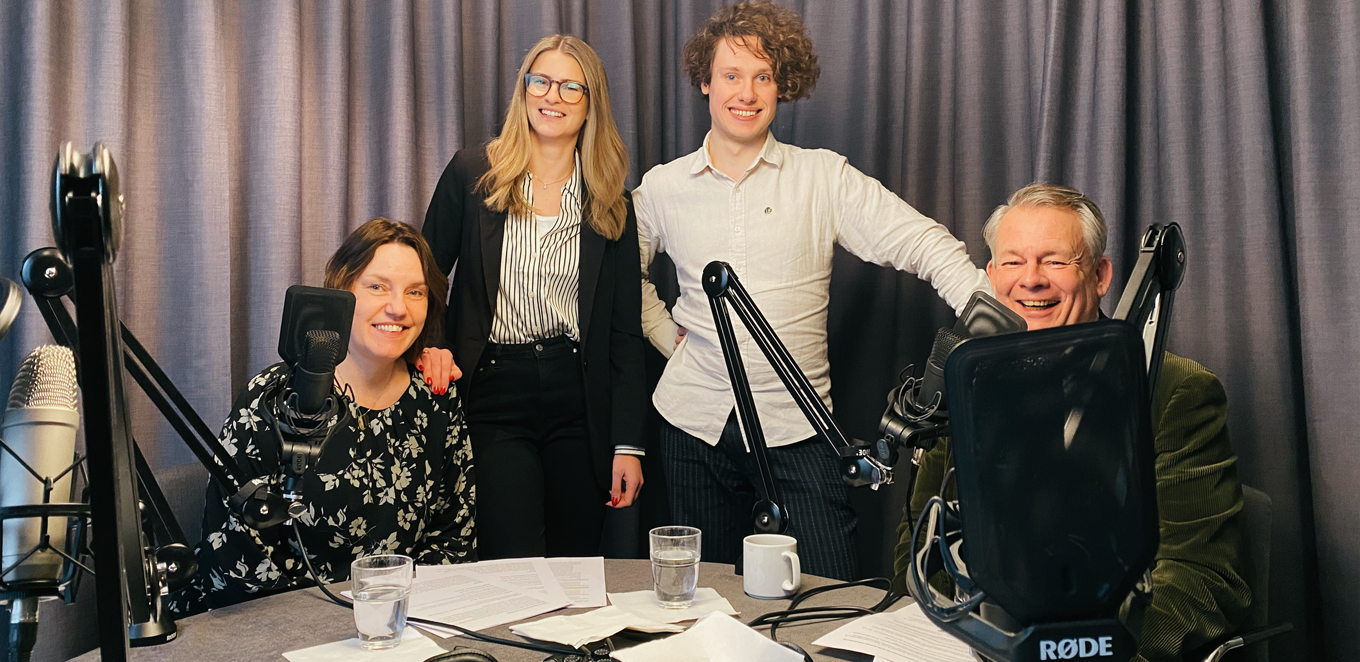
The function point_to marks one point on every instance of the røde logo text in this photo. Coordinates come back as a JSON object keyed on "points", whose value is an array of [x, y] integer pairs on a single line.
{"points": [[1074, 648]]}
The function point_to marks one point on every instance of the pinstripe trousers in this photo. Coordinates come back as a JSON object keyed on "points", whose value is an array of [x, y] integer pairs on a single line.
{"points": [[715, 488]]}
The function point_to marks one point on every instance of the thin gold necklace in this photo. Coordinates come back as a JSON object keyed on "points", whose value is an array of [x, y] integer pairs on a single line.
{"points": [[559, 181]]}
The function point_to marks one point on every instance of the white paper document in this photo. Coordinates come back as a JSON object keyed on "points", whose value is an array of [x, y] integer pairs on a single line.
{"points": [[905, 635], [715, 638], [474, 601], [581, 578], [643, 603], [532, 575], [577, 630], [414, 646]]}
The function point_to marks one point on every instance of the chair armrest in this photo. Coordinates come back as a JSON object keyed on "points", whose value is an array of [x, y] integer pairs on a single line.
{"points": [[1241, 639]]}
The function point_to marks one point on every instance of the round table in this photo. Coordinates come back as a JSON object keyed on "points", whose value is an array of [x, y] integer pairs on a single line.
{"points": [[266, 628]]}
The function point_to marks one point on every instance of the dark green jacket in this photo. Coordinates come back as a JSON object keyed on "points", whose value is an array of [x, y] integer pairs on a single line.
{"points": [[1198, 592]]}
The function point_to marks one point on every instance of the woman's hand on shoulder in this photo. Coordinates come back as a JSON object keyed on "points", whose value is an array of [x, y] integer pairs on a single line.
{"points": [[626, 482], [438, 368]]}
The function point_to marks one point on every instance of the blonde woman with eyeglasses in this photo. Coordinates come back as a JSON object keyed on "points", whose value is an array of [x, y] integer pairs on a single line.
{"points": [[545, 308]]}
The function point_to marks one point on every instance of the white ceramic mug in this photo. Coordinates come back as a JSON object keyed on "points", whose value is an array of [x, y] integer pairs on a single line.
{"points": [[770, 567]]}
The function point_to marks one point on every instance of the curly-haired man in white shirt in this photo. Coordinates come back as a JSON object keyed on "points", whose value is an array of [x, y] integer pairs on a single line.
{"points": [[774, 212]]}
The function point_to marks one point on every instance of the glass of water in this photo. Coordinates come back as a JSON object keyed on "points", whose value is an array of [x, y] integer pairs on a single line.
{"points": [[382, 588], [675, 565]]}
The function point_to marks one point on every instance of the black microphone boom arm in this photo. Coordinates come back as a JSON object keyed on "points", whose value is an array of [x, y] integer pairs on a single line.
{"points": [[857, 465], [87, 212], [1151, 291]]}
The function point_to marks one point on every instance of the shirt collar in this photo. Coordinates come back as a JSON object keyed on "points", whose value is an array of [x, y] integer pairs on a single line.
{"points": [[771, 152]]}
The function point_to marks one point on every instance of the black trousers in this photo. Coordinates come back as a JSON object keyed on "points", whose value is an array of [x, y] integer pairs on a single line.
{"points": [[715, 487], [536, 488]]}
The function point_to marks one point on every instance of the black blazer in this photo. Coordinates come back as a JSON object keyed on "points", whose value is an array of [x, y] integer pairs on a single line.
{"points": [[462, 231]]}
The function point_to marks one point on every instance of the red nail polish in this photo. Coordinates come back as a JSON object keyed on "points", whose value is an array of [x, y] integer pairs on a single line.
{"points": [[615, 501], [429, 380], [420, 367]]}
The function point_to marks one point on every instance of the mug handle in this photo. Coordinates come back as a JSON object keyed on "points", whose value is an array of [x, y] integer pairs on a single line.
{"points": [[793, 584]]}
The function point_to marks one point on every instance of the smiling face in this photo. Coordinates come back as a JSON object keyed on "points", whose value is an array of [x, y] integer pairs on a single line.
{"points": [[742, 93], [1040, 269], [391, 300], [550, 118]]}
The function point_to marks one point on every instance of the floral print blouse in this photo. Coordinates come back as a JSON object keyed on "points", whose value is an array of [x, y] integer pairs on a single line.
{"points": [[395, 481]]}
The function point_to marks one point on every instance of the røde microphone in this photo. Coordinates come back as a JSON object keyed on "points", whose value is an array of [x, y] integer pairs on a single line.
{"points": [[932, 382], [983, 316], [39, 433], [315, 371]]}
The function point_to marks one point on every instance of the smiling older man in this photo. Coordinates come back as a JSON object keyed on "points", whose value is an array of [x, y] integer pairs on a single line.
{"points": [[1048, 265]]}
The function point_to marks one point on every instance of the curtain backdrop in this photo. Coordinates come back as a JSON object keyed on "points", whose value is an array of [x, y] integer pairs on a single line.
{"points": [[253, 136]]}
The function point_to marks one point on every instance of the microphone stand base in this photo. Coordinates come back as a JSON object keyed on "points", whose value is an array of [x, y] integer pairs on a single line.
{"points": [[152, 633]]}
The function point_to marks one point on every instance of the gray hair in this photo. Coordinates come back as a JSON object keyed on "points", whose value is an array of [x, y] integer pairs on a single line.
{"points": [[1093, 227]]}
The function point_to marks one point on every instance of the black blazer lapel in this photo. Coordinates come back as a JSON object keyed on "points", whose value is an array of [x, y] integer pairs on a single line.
{"points": [[592, 254], [493, 239]]}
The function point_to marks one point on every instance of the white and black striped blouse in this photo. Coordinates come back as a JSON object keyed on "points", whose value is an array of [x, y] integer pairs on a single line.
{"points": [[540, 268]]}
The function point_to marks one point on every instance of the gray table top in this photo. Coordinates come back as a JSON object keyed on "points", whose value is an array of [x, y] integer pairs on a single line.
{"points": [[266, 628]]}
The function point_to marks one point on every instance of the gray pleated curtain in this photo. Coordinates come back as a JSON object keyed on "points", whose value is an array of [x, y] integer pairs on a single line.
{"points": [[252, 136]]}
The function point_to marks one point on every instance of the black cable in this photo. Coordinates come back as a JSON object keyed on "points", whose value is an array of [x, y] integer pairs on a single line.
{"points": [[923, 592], [796, 614], [541, 648]]}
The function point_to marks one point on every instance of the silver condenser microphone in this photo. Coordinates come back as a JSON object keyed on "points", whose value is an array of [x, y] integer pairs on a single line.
{"points": [[39, 439]]}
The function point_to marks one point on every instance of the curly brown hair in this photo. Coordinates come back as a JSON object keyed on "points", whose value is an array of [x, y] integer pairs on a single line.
{"points": [[780, 38]]}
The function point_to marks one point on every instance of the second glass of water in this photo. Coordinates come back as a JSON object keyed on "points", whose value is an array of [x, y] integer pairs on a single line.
{"points": [[675, 565], [382, 588]]}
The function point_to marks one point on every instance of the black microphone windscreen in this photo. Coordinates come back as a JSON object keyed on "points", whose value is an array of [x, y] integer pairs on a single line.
{"points": [[322, 350], [932, 382], [316, 370], [945, 342]]}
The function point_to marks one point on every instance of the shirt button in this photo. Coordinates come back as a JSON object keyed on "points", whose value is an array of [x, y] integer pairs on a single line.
{"points": [[768, 210]]}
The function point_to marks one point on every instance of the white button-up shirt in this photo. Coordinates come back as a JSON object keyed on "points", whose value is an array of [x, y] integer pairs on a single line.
{"points": [[777, 226]]}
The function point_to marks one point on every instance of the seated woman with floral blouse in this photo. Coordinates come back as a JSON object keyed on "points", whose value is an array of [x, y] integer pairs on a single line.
{"points": [[395, 479]]}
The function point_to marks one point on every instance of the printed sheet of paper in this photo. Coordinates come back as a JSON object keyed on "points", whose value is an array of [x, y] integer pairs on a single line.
{"points": [[532, 575], [905, 635], [474, 601], [582, 579], [414, 646]]}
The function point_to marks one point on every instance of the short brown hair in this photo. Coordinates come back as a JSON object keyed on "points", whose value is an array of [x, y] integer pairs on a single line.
{"points": [[357, 252], [782, 37]]}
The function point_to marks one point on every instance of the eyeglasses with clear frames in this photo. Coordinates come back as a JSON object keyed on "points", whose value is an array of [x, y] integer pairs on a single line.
{"points": [[571, 91]]}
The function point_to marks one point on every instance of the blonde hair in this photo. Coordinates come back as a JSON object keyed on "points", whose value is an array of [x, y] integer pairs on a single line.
{"points": [[604, 159]]}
